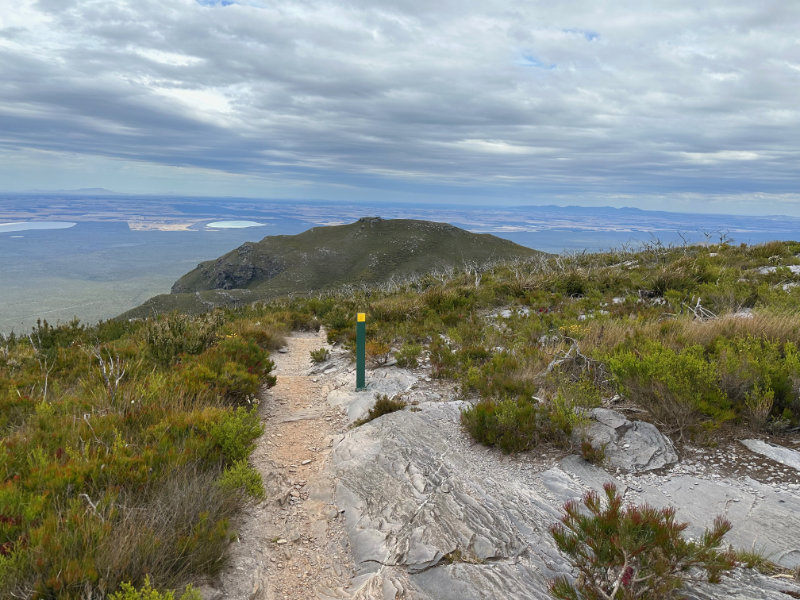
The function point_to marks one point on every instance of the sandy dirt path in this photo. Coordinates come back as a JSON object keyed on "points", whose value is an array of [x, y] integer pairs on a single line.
{"points": [[292, 545]]}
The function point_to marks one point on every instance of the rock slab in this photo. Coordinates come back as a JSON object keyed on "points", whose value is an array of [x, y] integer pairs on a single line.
{"points": [[786, 456], [630, 445], [431, 516]]}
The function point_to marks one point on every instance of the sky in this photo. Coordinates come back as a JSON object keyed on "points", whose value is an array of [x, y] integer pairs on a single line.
{"points": [[670, 105]]}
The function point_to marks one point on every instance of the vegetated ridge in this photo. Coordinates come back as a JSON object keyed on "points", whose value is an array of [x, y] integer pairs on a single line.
{"points": [[370, 251]]}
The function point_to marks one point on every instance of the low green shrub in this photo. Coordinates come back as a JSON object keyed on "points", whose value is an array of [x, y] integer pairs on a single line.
{"points": [[512, 425], [407, 356], [236, 434], [320, 355], [623, 553], [679, 388], [383, 406], [128, 592], [171, 335], [233, 369], [240, 476], [759, 376], [592, 453]]}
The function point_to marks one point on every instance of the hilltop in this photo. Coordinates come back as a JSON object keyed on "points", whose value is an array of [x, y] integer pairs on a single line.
{"points": [[370, 251]]}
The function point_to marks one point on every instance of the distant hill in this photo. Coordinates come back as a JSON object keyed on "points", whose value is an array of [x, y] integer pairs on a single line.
{"points": [[371, 250]]}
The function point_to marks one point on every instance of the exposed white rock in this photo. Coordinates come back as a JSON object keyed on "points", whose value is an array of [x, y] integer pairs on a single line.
{"points": [[431, 515], [786, 456], [762, 518], [388, 381], [793, 268]]}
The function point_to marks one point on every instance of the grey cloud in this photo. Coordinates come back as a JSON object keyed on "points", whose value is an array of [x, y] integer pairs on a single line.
{"points": [[428, 91]]}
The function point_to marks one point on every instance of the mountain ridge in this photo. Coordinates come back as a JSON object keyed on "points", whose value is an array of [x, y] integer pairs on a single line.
{"points": [[371, 250]]}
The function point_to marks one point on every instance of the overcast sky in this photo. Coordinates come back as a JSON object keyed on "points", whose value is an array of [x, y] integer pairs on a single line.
{"points": [[657, 104]]}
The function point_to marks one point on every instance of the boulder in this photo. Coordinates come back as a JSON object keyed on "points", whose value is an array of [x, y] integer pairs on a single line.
{"points": [[630, 445]]}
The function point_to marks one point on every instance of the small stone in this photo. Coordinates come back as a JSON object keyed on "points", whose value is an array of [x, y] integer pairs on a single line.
{"points": [[306, 462]]}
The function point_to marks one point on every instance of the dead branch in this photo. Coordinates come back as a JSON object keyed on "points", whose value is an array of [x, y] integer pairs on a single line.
{"points": [[700, 312], [112, 370], [578, 361]]}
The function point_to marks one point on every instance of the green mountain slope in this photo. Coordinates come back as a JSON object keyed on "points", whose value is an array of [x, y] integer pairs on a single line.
{"points": [[371, 250]]}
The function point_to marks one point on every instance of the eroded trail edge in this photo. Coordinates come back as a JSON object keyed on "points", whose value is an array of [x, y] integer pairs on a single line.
{"points": [[293, 544]]}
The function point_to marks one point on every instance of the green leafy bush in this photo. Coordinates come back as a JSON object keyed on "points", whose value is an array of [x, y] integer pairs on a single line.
{"points": [[512, 425], [758, 375], [233, 369], [623, 553]]}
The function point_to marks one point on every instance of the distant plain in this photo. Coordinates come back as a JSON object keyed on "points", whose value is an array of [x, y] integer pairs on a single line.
{"points": [[126, 249]]}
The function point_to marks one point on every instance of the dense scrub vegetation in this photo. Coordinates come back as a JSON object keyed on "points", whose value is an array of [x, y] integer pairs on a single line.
{"points": [[124, 449], [124, 445], [701, 337]]}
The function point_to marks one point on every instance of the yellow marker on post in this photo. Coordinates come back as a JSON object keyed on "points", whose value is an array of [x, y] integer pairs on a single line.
{"points": [[361, 335]]}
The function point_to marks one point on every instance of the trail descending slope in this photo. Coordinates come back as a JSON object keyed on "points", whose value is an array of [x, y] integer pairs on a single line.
{"points": [[292, 545]]}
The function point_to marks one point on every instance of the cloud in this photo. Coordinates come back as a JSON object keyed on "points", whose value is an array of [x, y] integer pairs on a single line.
{"points": [[515, 100]]}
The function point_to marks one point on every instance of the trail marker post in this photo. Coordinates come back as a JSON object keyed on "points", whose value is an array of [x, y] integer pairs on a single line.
{"points": [[361, 353]]}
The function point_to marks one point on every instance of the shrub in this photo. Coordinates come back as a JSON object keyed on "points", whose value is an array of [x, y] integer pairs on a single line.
{"points": [[377, 353], [233, 369], [171, 335], [240, 476], [679, 388], [632, 552], [236, 433], [383, 406], [513, 425], [408, 355], [591, 453], [128, 592], [574, 284], [320, 355], [757, 375]]}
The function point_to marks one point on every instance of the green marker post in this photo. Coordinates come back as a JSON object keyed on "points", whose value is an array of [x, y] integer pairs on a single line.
{"points": [[361, 352]]}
